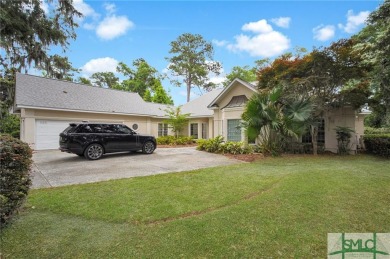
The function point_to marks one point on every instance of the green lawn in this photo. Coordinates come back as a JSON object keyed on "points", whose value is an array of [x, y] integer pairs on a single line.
{"points": [[276, 207]]}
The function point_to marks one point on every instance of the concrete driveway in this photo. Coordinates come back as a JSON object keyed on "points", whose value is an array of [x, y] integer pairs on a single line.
{"points": [[54, 168]]}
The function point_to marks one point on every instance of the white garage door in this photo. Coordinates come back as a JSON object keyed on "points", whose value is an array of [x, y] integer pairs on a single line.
{"points": [[47, 133]]}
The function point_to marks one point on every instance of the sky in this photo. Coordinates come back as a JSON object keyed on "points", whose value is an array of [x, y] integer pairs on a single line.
{"points": [[241, 31]]}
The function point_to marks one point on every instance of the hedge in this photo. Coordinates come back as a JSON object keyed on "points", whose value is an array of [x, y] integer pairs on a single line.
{"points": [[371, 131], [15, 181], [10, 124], [172, 140], [377, 144]]}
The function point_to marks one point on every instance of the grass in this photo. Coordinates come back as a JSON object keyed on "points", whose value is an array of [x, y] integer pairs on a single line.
{"points": [[276, 207]]}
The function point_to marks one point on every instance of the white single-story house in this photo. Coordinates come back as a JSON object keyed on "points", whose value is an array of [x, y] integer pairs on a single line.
{"points": [[47, 106]]}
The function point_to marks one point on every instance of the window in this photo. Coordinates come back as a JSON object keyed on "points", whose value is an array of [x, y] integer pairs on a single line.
{"points": [[96, 128], [233, 130], [204, 130], [84, 129], [122, 129], [306, 138], [108, 128], [194, 130], [162, 129]]}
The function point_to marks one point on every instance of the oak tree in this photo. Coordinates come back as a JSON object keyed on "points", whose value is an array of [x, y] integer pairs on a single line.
{"points": [[27, 32], [105, 79]]}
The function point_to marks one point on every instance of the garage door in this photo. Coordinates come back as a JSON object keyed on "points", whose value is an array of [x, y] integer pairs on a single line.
{"points": [[47, 133]]}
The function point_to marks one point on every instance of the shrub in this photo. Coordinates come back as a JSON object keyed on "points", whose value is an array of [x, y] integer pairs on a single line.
{"points": [[231, 147], [10, 124], [212, 145], [171, 140], [256, 148], [271, 148], [184, 141], [378, 144], [217, 145], [370, 131], [15, 162], [235, 148], [343, 139], [165, 140]]}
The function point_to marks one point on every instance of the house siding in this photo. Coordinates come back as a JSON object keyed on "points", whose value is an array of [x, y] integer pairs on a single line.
{"points": [[221, 115], [199, 121], [152, 114], [344, 117]]}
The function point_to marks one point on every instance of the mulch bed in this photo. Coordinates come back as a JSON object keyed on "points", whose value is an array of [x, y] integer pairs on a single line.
{"points": [[246, 157]]}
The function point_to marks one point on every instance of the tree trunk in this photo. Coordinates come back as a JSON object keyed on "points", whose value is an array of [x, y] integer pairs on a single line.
{"points": [[314, 137], [188, 91]]}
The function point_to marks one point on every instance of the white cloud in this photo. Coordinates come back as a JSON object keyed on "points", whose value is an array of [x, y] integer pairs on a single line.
{"points": [[110, 27], [354, 21], [265, 43], [324, 32], [110, 8], [85, 9], [113, 26], [106, 64], [258, 27], [89, 26], [217, 79], [283, 22], [219, 43]]}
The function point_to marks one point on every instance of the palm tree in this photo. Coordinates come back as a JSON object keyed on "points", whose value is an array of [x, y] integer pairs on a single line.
{"points": [[270, 118]]}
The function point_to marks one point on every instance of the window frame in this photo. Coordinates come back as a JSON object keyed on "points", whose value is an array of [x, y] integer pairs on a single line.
{"points": [[162, 129], [194, 134], [306, 138], [237, 135], [204, 130]]}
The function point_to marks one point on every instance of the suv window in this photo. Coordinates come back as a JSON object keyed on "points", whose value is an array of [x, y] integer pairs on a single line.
{"points": [[101, 128], [116, 129], [96, 128], [84, 129], [70, 129], [122, 129], [108, 128]]}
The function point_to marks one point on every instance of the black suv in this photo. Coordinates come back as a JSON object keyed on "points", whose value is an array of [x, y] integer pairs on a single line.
{"points": [[94, 139]]}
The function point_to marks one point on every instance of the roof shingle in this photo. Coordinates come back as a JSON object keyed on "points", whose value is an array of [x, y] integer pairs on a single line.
{"points": [[198, 106], [38, 92]]}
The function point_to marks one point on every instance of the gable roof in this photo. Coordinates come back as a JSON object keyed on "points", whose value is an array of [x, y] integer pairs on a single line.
{"points": [[198, 106], [44, 93], [227, 89]]}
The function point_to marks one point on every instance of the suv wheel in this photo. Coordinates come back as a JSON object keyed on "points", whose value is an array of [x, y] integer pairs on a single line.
{"points": [[148, 147], [93, 151]]}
